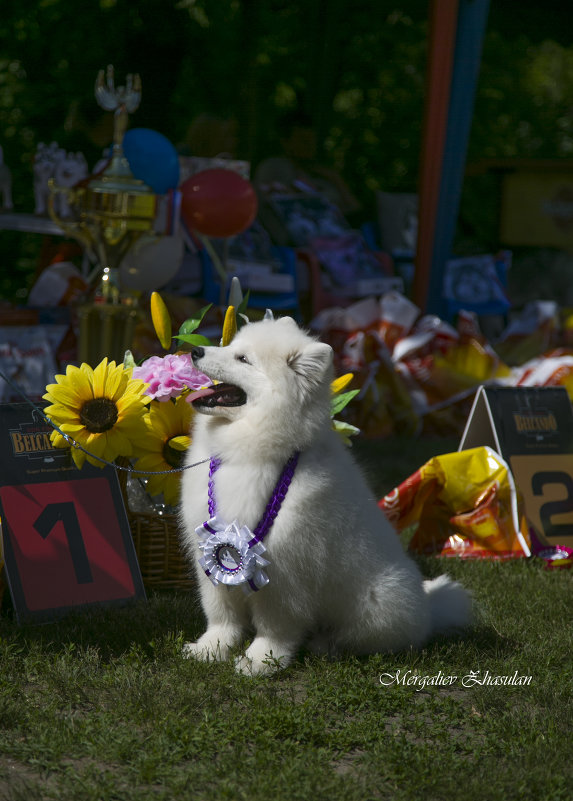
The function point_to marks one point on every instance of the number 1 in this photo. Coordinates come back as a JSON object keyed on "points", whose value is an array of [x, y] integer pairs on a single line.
{"points": [[65, 512]]}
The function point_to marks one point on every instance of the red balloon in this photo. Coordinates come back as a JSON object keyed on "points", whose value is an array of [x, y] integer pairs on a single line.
{"points": [[218, 202]]}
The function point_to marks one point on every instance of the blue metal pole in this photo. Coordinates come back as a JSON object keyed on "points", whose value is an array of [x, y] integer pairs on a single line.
{"points": [[472, 19]]}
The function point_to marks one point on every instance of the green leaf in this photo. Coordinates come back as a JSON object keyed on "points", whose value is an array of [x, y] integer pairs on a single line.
{"points": [[194, 339], [128, 360], [192, 323], [338, 403], [346, 429]]}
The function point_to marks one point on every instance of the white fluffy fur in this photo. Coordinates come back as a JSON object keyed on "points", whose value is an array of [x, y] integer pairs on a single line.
{"points": [[339, 577]]}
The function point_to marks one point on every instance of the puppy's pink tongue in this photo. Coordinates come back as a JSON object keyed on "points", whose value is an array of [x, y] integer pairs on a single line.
{"points": [[200, 393], [218, 395]]}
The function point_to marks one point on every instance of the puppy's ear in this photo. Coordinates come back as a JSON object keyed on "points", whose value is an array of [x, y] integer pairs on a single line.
{"points": [[287, 321], [311, 364]]}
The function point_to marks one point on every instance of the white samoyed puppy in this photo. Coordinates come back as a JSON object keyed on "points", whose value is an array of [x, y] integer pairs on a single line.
{"points": [[288, 542]]}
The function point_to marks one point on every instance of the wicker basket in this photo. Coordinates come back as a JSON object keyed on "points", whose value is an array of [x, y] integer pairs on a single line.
{"points": [[161, 559], [157, 545]]}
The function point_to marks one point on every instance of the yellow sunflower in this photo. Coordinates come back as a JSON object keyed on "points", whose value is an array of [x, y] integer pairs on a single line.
{"points": [[103, 409], [163, 448]]}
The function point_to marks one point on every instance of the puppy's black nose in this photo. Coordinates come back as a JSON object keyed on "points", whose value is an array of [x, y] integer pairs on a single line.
{"points": [[197, 353]]}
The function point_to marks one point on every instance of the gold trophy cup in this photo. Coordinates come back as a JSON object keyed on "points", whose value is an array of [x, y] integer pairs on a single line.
{"points": [[110, 212]]}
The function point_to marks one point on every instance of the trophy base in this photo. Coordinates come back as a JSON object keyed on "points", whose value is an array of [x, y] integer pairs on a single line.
{"points": [[105, 330]]}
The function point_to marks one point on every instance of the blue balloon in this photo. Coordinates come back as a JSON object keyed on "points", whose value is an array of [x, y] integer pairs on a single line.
{"points": [[152, 158]]}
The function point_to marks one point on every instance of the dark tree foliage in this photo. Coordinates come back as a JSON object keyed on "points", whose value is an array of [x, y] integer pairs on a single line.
{"points": [[357, 68]]}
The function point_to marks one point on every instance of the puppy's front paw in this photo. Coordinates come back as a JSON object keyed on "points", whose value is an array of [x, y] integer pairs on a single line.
{"points": [[251, 667], [194, 650], [211, 647], [262, 659]]}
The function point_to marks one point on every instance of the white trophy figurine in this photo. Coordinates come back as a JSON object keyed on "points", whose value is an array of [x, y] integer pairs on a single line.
{"points": [[123, 100], [68, 170], [52, 161], [43, 169]]}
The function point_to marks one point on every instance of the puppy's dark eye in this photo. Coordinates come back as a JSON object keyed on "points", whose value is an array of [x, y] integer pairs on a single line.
{"points": [[242, 358]]}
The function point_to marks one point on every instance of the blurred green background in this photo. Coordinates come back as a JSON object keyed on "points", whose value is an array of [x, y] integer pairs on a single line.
{"points": [[358, 69]]}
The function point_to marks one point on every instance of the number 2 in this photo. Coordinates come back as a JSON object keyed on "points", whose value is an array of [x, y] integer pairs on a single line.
{"points": [[547, 510]]}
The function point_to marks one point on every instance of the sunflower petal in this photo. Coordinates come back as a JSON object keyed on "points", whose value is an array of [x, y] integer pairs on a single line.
{"points": [[59, 412], [79, 457], [96, 444], [115, 383], [64, 394], [158, 425], [117, 441], [72, 428], [58, 441], [180, 443], [81, 379], [100, 375], [152, 461], [132, 405]]}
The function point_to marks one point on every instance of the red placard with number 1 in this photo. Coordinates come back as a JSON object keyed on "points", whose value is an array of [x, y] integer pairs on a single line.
{"points": [[67, 541]]}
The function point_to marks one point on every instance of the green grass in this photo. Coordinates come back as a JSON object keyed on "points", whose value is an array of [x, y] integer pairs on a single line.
{"points": [[102, 706]]}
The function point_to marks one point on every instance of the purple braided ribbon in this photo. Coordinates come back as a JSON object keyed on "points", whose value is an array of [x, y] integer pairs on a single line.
{"points": [[214, 465], [274, 504]]}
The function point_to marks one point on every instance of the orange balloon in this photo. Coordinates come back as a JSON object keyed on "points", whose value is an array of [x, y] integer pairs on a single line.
{"points": [[218, 202]]}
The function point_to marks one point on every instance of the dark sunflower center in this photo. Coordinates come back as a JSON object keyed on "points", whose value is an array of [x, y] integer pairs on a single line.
{"points": [[99, 415], [173, 457]]}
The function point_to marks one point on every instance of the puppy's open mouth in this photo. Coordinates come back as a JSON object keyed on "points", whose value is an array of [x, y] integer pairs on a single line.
{"points": [[219, 395]]}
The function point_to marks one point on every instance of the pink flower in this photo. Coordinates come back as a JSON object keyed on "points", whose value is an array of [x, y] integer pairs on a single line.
{"points": [[169, 375]]}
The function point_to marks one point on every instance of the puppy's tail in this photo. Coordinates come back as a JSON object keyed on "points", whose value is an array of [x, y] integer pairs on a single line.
{"points": [[450, 604]]}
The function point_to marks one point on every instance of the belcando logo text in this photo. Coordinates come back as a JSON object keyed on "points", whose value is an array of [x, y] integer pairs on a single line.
{"points": [[532, 423], [34, 442]]}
